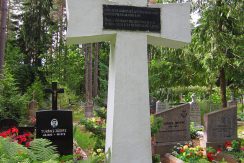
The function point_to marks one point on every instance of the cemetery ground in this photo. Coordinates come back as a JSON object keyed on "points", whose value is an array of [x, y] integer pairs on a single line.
{"points": [[89, 142]]}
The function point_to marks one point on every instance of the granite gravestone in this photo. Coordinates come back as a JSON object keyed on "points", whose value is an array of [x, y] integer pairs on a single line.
{"points": [[175, 128], [232, 102], [32, 109], [161, 106], [56, 125], [152, 102], [195, 113], [220, 126]]}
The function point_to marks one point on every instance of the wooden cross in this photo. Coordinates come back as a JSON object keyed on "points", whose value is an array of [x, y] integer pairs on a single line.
{"points": [[129, 26], [54, 90]]}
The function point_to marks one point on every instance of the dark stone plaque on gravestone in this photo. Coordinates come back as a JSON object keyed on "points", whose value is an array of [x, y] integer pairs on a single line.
{"points": [[57, 127], [131, 18]]}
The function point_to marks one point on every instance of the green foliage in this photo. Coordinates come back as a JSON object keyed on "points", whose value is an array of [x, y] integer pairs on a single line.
{"points": [[102, 113], [239, 155], [84, 139], [156, 123], [42, 150], [193, 131], [12, 103], [39, 151], [188, 153], [96, 126], [210, 150], [156, 158]]}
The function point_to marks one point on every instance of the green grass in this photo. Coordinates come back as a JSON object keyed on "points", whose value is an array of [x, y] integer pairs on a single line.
{"points": [[78, 115], [84, 139], [240, 130]]}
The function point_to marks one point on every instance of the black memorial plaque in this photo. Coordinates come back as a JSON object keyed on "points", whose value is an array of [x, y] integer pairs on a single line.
{"points": [[131, 18], [56, 126]]}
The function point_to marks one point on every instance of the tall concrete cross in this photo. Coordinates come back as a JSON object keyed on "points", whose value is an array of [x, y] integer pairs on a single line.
{"points": [[128, 117]]}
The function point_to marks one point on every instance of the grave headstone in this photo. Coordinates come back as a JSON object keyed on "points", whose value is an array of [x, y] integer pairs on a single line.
{"points": [[56, 125], [175, 128], [220, 126], [232, 102], [129, 26], [32, 109], [195, 113], [6, 124], [161, 106], [153, 105]]}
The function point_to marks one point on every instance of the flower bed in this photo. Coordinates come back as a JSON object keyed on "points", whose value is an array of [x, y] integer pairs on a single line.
{"points": [[13, 134], [188, 153], [233, 152]]}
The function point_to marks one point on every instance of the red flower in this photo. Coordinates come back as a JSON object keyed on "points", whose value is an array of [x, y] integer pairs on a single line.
{"points": [[219, 150], [210, 156], [242, 148], [182, 150], [27, 144], [3, 134], [228, 144], [27, 134], [15, 130]]}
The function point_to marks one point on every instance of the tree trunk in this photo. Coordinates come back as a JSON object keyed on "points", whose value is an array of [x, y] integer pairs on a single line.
{"points": [[223, 87], [88, 80], [95, 75], [3, 11]]}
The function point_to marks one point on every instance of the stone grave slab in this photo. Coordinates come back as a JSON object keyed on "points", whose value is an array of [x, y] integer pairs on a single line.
{"points": [[56, 126], [161, 106], [220, 126], [195, 113], [175, 128]]}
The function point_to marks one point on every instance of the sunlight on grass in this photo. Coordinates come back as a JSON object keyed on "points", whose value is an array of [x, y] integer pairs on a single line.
{"points": [[84, 139], [240, 132]]}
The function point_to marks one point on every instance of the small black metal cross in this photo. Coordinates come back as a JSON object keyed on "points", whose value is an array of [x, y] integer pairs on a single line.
{"points": [[54, 90]]}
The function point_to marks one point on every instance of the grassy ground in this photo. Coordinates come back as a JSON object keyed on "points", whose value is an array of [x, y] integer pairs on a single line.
{"points": [[83, 138], [240, 132]]}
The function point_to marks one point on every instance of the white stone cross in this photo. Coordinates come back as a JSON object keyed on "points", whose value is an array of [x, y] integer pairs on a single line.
{"points": [[128, 116]]}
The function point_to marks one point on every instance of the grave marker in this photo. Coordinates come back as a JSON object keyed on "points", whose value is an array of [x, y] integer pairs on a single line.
{"points": [[175, 128], [220, 126], [195, 113], [128, 92], [32, 109], [232, 102], [161, 106], [56, 125], [54, 90]]}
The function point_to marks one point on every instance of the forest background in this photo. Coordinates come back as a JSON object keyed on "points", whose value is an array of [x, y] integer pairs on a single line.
{"points": [[33, 53]]}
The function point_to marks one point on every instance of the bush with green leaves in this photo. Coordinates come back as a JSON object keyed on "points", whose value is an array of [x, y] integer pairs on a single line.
{"points": [[12, 103], [156, 123]]}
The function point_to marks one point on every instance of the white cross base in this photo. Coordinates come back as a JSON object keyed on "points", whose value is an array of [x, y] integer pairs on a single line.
{"points": [[128, 115]]}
